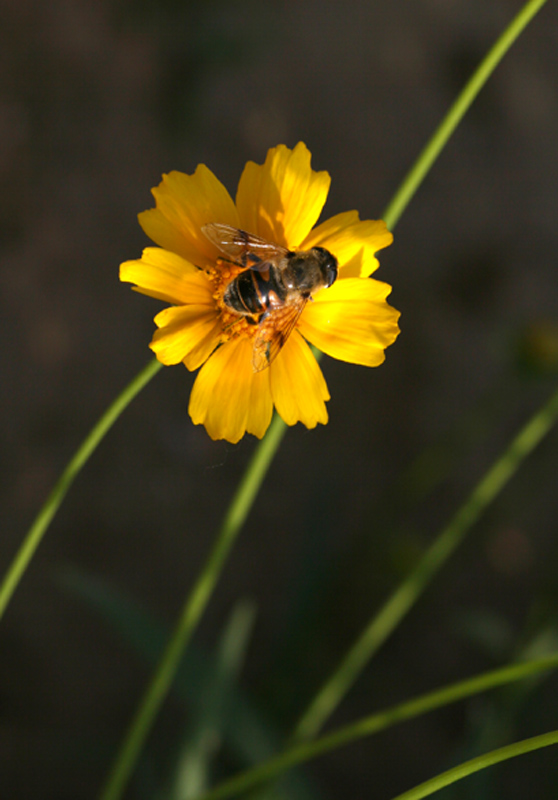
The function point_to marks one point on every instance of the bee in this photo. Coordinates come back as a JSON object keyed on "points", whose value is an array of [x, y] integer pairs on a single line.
{"points": [[274, 286]]}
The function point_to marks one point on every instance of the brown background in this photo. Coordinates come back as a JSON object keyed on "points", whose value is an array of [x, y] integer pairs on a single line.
{"points": [[97, 99]]}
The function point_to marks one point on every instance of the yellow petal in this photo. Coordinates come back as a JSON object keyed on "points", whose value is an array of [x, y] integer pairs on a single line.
{"points": [[166, 276], [184, 204], [352, 241], [260, 408], [298, 387], [228, 397], [186, 333], [282, 199], [351, 321]]}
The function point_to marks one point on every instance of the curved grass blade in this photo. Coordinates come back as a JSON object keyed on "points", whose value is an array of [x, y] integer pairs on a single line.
{"points": [[193, 608], [443, 132], [405, 596], [44, 517], [375, 723], [476, 764], [248, 736]]}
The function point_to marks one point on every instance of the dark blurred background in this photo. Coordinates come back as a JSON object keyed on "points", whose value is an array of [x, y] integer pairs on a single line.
{"points": [[97, 99]]}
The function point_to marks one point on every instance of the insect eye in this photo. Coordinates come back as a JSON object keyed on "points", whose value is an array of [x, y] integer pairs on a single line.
{"points": [[331, 272], [329, 266]]}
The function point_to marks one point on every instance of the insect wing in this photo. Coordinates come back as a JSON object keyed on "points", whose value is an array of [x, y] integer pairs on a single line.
{"points": [[273, 331], [243, 248]]}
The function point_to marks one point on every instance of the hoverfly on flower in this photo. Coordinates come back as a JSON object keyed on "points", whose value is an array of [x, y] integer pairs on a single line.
{"points": [[249, 282], [274, 286]]}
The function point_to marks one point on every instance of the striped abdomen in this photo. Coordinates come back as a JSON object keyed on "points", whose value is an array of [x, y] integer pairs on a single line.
{"points": [[251, 292]]}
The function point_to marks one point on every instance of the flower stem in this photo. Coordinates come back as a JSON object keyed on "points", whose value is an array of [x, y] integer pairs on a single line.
{"points": [[192, 610], [402, 600], [434, 146], [55, 498], [375, 723], [476, 764]]}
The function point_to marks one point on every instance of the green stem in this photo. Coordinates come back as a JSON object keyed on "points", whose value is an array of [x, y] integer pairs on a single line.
{"points": [[192, 610], [476, 764], [455, 114], [375, 723], [404, 597], [55, 498]]}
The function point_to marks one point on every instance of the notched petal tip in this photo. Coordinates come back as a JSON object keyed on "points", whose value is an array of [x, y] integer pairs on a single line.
{"points": [[298, 386], [228, 398], [184, 203], [186, 333], [352, 321], [167, 276], [282, 199]]}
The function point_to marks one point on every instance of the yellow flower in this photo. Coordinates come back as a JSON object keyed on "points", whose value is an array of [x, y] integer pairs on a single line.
{"points": [[279, 201]]}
